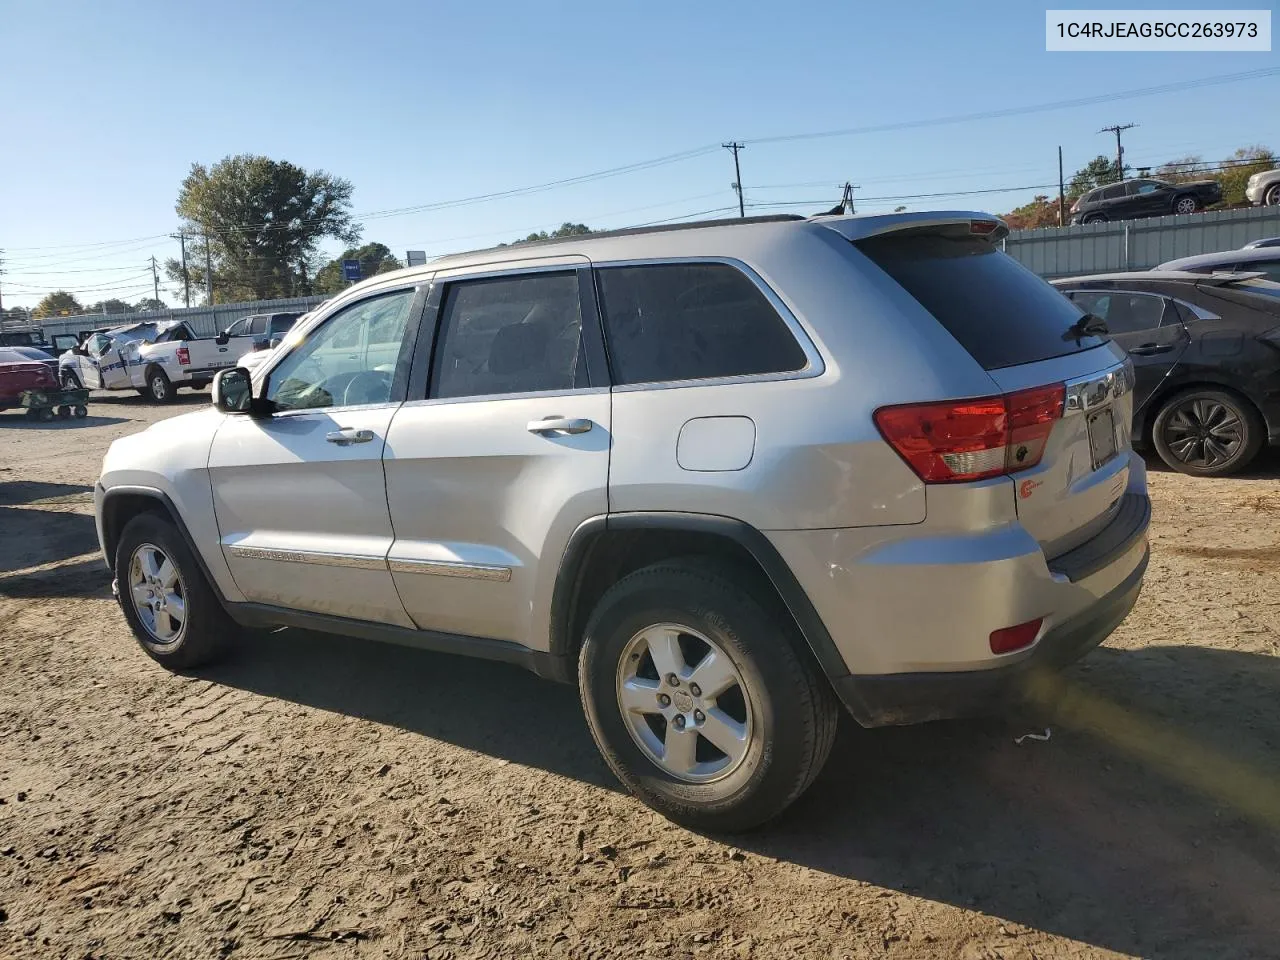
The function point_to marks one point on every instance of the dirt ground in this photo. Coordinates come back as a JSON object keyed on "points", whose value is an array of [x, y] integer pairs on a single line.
{"points": [[318, 797]]}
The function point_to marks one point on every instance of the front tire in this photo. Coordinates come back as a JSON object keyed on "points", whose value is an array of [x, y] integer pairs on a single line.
{"points": [[159, 387], [70, 381], [702, 701], [1272, 197], [1207, 433], [172, 610], [1094, 218]]}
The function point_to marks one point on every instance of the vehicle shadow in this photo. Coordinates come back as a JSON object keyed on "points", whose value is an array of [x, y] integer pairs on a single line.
{"points": [[63, 543], [20, 422], [14, 493], [1147, 824], [132, 399], [1265, 467]]}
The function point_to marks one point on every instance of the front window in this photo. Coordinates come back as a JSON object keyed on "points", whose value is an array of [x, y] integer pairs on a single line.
{"points": [[349, 360]]}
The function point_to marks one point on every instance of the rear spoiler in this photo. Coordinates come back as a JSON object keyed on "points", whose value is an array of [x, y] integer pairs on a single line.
{"points": [[1224, 277], [857, 228]]}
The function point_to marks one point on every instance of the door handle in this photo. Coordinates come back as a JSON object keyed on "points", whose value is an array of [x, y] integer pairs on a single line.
{"points": [[559, 425], [349, 435], [1148, 349]]}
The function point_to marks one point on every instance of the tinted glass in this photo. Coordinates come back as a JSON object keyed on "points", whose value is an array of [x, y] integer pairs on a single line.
{"points": [[519, 334], [1111, 193], [351, 359], [691, 321], [1000, 311], [240, 328], [281, 323], [11, 356], [1123, 312]]}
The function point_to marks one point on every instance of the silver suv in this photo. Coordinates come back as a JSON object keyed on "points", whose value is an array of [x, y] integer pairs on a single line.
{"points": [[726, 477]]}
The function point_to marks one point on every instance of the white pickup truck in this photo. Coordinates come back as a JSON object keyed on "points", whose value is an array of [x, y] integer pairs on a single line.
{"points": [[157, 357]]}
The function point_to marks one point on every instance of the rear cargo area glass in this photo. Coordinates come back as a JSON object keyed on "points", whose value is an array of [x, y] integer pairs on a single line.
{"points": [[1000, 311]]}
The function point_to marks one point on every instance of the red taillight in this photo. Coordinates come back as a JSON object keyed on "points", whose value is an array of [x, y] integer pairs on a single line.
{"points": [[184, 356], [956, 441], [982, 227], [1015, 638]]}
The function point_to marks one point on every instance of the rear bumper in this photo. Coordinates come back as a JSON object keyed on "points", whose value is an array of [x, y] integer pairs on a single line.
{"points": [[905, 698]]}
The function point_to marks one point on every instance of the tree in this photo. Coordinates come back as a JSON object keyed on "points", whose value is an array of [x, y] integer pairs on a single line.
{"points": [[1040, 212], [149, 303], [265, 219], [1236, 170], [565, 229], [374, 258], [1095, 173], [58, 304], [109, 307], [1181, 169]]}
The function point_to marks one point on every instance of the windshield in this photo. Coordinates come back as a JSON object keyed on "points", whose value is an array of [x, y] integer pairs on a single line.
{"points": [[1000, 311]]}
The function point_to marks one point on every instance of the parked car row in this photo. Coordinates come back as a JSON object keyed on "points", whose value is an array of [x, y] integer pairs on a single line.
{"points": [[155, 358]]}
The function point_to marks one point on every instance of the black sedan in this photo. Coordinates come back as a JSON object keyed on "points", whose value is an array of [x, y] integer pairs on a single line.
{"points": [[1206, 350], [1144, 198]]}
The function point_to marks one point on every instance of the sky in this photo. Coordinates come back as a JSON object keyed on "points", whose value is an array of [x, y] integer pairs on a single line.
{"points": [[105, 106]]}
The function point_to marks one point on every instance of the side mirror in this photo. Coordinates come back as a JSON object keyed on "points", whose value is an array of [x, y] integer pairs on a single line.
{"points": [[222, 338], [261, 344], [273, 343], [232, 390]]}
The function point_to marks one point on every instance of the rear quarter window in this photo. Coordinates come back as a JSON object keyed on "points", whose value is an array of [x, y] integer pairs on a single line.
{"points": [[691, 321], [999, 311]]}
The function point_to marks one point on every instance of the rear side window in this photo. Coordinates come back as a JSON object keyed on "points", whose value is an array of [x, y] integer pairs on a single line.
{"points": [[691, 321], [1113, 193], [1000, 311], [1126, 312], [517, 334]]}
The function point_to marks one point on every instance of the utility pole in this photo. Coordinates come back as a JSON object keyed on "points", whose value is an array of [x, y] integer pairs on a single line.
{"points": [[155, 278], [1, 271], [208, 271], [737, 174], [1116, 129], [846, 200], [1062, 193], [186, 277]]}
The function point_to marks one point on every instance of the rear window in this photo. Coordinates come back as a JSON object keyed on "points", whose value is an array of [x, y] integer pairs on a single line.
{"points": [[1000, 311], [691, 321]]}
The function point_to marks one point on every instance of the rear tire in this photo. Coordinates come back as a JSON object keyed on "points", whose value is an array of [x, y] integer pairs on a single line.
{"points": [[765, 698], [1094, 218], [1185, 204], [159, 387], [173, 612], [1207, 433]]}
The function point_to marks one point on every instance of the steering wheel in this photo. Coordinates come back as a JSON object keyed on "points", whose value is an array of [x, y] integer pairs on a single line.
{"points": [[368, 386]]}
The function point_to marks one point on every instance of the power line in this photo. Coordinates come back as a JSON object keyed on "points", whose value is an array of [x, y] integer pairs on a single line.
{"points": [[734, 146], [1032, 108], [1117, 129]]}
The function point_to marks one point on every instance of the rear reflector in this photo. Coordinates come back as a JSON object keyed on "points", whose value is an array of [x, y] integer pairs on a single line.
{"points": [[956, 441], [184, 356], [1015, 638], [982, 227]]}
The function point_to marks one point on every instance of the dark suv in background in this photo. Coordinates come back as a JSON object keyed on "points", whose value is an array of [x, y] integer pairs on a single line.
{"points": [[1144, 198], [1206, 353]]}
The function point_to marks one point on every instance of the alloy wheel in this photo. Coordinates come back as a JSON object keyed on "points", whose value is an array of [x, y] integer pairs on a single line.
{"points": [[157, 593], [1204, 433], [1184, 205], [685, 703]]}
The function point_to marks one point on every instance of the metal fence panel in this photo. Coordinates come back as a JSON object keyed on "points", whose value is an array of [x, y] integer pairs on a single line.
{"points": [[1138, 244], [206, 321]]}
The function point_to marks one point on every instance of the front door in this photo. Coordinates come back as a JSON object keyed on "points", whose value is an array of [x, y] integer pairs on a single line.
{"points": [[494, 465], [299, 496]]}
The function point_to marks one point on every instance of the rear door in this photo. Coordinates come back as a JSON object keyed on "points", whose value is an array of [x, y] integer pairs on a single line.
{"points": [[501, 451], [1147, 326], [1024, 333]]}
